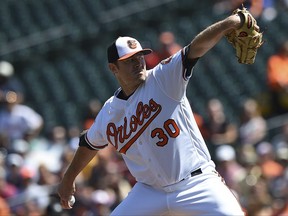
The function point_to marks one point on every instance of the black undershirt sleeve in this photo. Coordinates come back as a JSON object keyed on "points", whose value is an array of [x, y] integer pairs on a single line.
{"points": [[188, 64], [83, 142]]}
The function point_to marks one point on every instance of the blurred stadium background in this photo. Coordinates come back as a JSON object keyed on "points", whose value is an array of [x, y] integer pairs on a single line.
{"points": [[58, 49]]}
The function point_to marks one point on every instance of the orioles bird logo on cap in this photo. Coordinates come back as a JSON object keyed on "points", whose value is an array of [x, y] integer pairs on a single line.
{"points": [[132, 44]]}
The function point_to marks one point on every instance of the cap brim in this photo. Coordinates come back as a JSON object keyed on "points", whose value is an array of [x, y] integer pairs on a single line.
{"points": [[144, 51]]}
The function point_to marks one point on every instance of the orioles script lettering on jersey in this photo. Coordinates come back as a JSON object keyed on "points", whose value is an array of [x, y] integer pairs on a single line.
{"points": [[144, 115]]}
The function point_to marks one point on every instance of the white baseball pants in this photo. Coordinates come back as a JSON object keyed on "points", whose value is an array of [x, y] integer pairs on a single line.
{"points": [[201, 195]]}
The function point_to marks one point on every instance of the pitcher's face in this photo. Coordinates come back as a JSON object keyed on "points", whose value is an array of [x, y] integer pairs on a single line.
{"points": [[131, 71]]}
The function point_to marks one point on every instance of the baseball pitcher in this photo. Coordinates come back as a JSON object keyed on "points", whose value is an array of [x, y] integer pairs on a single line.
{"points": [[150, 122]]}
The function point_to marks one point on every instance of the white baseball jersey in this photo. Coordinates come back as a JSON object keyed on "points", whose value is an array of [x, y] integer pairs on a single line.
{"points": [[154, 128]]}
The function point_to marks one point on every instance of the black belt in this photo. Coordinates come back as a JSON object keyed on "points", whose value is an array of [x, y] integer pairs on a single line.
{"points": [[194, 173]]}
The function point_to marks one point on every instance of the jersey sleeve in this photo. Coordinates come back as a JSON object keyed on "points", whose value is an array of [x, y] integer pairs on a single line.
{"points": [[173, 73], [95, 137]]}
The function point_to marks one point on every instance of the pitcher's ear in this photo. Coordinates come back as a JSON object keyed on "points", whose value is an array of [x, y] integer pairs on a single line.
{"points": [[113, 67]]}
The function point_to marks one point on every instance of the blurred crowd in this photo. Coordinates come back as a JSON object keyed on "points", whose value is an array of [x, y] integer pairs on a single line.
{"points": [[251, 160], [260, 9]]}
